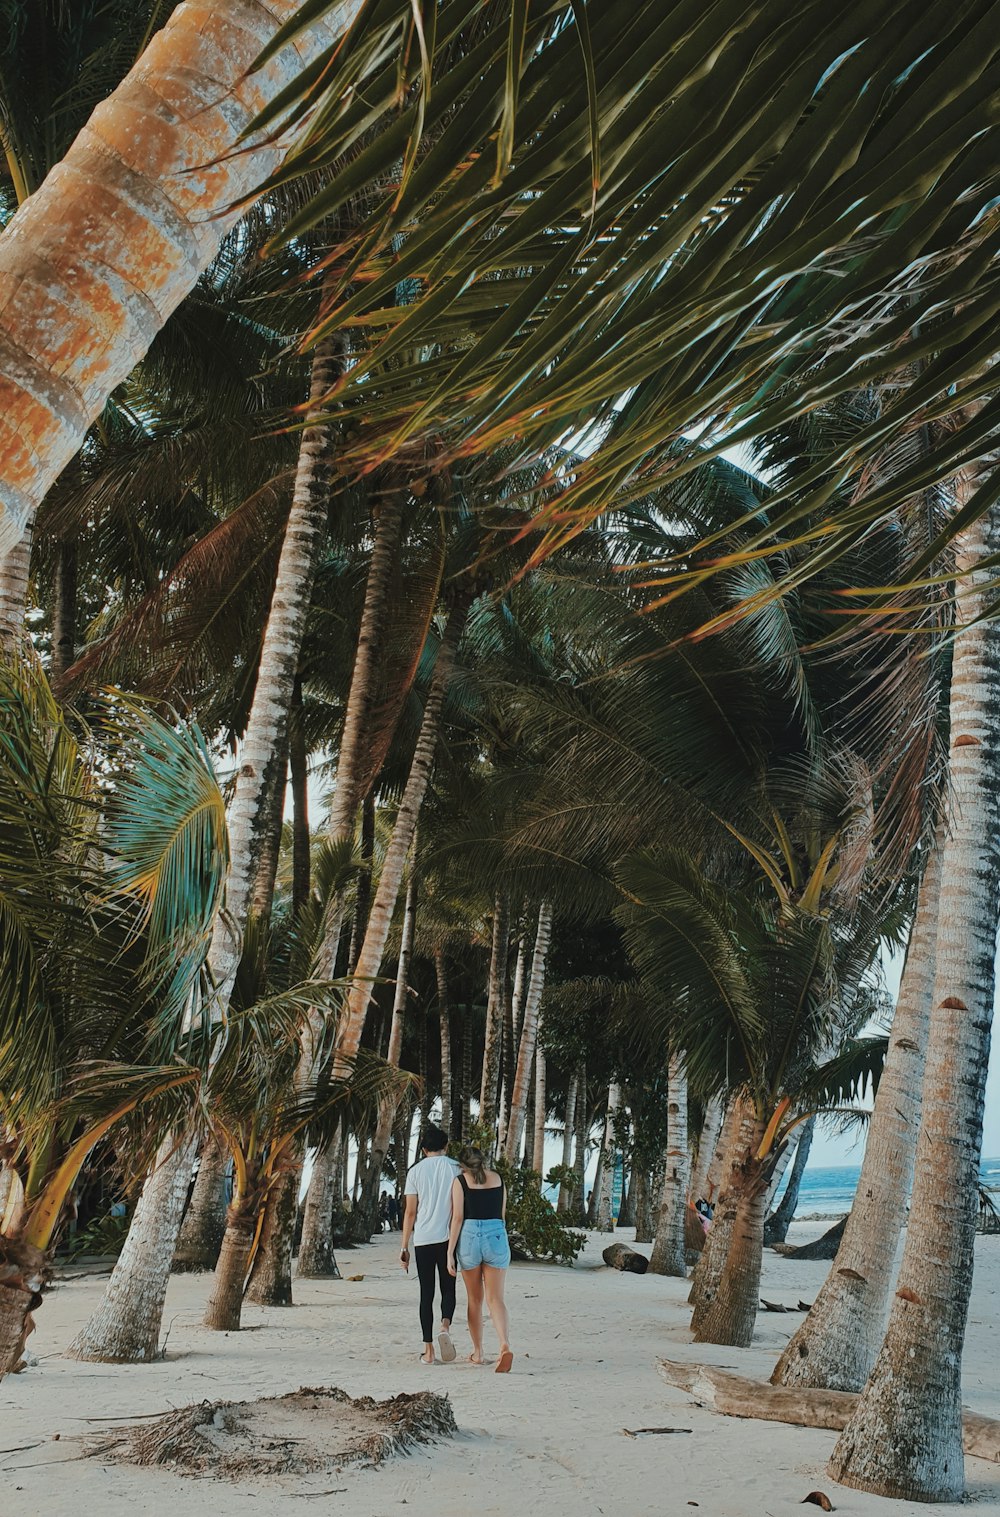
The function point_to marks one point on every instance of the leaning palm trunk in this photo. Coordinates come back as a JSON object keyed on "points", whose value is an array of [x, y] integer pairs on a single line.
{"points": [[534, 984], [125, 1328], [708, 1142], [905, 1437], [669, 1256], [387, 1109], [835, 1347], [315, 1253], [604, 1214], [14, 571], [225, 1304], [204, 1223], [735, 1145], [105, 1335], [271, 1277], [495, 999], [777, 1224], [728, 1127], [96, 260]]}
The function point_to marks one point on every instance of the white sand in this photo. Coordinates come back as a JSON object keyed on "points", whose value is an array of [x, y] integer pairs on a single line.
{"points": [[546, 1439]]}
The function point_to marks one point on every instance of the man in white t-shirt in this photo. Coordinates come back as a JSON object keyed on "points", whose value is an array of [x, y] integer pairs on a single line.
{"points": [[428, 1220]]}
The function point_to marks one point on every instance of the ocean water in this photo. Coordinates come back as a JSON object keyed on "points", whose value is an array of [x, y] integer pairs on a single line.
{"points": [[830, 1191]]}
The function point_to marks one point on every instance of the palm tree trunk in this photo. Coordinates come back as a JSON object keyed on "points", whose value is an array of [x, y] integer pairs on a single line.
{"points": [[370, 959], [225, 1305], [496, 997], [529, 1031], [580, 1142], [271, 1275], [835, 1347], [604, 1215], [24, 1272], [644, 1230], [669, 1256], [14, 574], [729, 1316], [204, 1224], [64, 609], [387, 1111], [717, 1162], [569, 1123], [262, 892], [147, 191], [317, 1260], [708, 1142], [905, 1437], [119, 1318], [777, 1225], [735, 1143], [444, 1025], [298, 767], [465, 1093], [125, 1327], [538, 1145]]}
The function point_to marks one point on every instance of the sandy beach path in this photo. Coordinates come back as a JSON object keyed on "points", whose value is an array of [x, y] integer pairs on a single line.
{"points": [[546, 1439]]}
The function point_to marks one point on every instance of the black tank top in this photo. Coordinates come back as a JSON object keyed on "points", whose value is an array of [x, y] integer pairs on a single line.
{"points": [[482, 1203]]}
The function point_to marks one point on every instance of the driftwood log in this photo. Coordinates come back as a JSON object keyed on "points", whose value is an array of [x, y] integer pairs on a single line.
{"points": [[620, 1256], [738, 1396]]}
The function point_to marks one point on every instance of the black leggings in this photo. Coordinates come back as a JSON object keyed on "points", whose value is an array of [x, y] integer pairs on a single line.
{"points": [[431, 1257]]}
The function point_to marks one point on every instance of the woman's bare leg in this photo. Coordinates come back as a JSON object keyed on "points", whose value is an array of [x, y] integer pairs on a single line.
{"points": [[474, 1291], [493, 1284]]}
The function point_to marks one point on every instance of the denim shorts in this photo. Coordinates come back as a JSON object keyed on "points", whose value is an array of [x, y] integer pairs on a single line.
{"points": [[483, 1242]]}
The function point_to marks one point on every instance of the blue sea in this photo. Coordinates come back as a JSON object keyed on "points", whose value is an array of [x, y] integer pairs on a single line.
{"points": [[830, 1191]]}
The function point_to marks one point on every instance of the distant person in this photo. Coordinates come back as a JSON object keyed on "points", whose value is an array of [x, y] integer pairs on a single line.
{"points": [[392, 1210], [478, 1246], [427, 1220]]}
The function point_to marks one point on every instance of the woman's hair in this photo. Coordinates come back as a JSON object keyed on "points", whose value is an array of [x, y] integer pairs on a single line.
{"points": [[474, 1160]]}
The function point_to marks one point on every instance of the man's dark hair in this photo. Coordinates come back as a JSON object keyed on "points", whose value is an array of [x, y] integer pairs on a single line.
{"points": [[433, 1139]]}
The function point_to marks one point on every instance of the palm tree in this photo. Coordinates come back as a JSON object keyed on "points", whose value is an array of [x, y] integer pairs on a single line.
{"points": [[109, 896], [669, 1254], [905, 1436]]}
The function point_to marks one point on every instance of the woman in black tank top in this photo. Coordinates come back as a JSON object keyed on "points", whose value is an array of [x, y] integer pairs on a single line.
{"points": [[478, 1247]]}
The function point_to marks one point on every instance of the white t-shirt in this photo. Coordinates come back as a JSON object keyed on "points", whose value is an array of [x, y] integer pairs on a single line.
{"points": [[430, 1181]]}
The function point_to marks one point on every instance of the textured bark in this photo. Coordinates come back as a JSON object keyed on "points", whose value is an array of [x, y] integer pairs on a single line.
{"points": [[788, 1149], [534, 984], [720, 1158], [735, 1142], [266, 875], [777, 1225], [298, 768], [836, 1345], [204, 1224], [64, 609], [905, 1439], [225, 1304], [580, 1139], [370, 959], [317, 1260], [96, 260], [510, 1038], [261, 753], [538, 1137], [387, 1111], [569, 1124], [271, 1275], [125, 1327], [465, 1087], [444, 1030], [669, 1256], [645, 1232], [708, 1143], [728, 1315], [24, 1273], [14, 574], [496, 996], [604, 1215]]}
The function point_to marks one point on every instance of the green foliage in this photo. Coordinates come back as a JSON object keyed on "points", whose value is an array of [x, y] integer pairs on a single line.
{"points": [[533, 1225], [105, 1236]]}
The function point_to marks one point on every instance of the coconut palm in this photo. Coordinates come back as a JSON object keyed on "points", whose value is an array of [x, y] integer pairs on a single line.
{"points": [[905, 1436], [114, 856]]}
